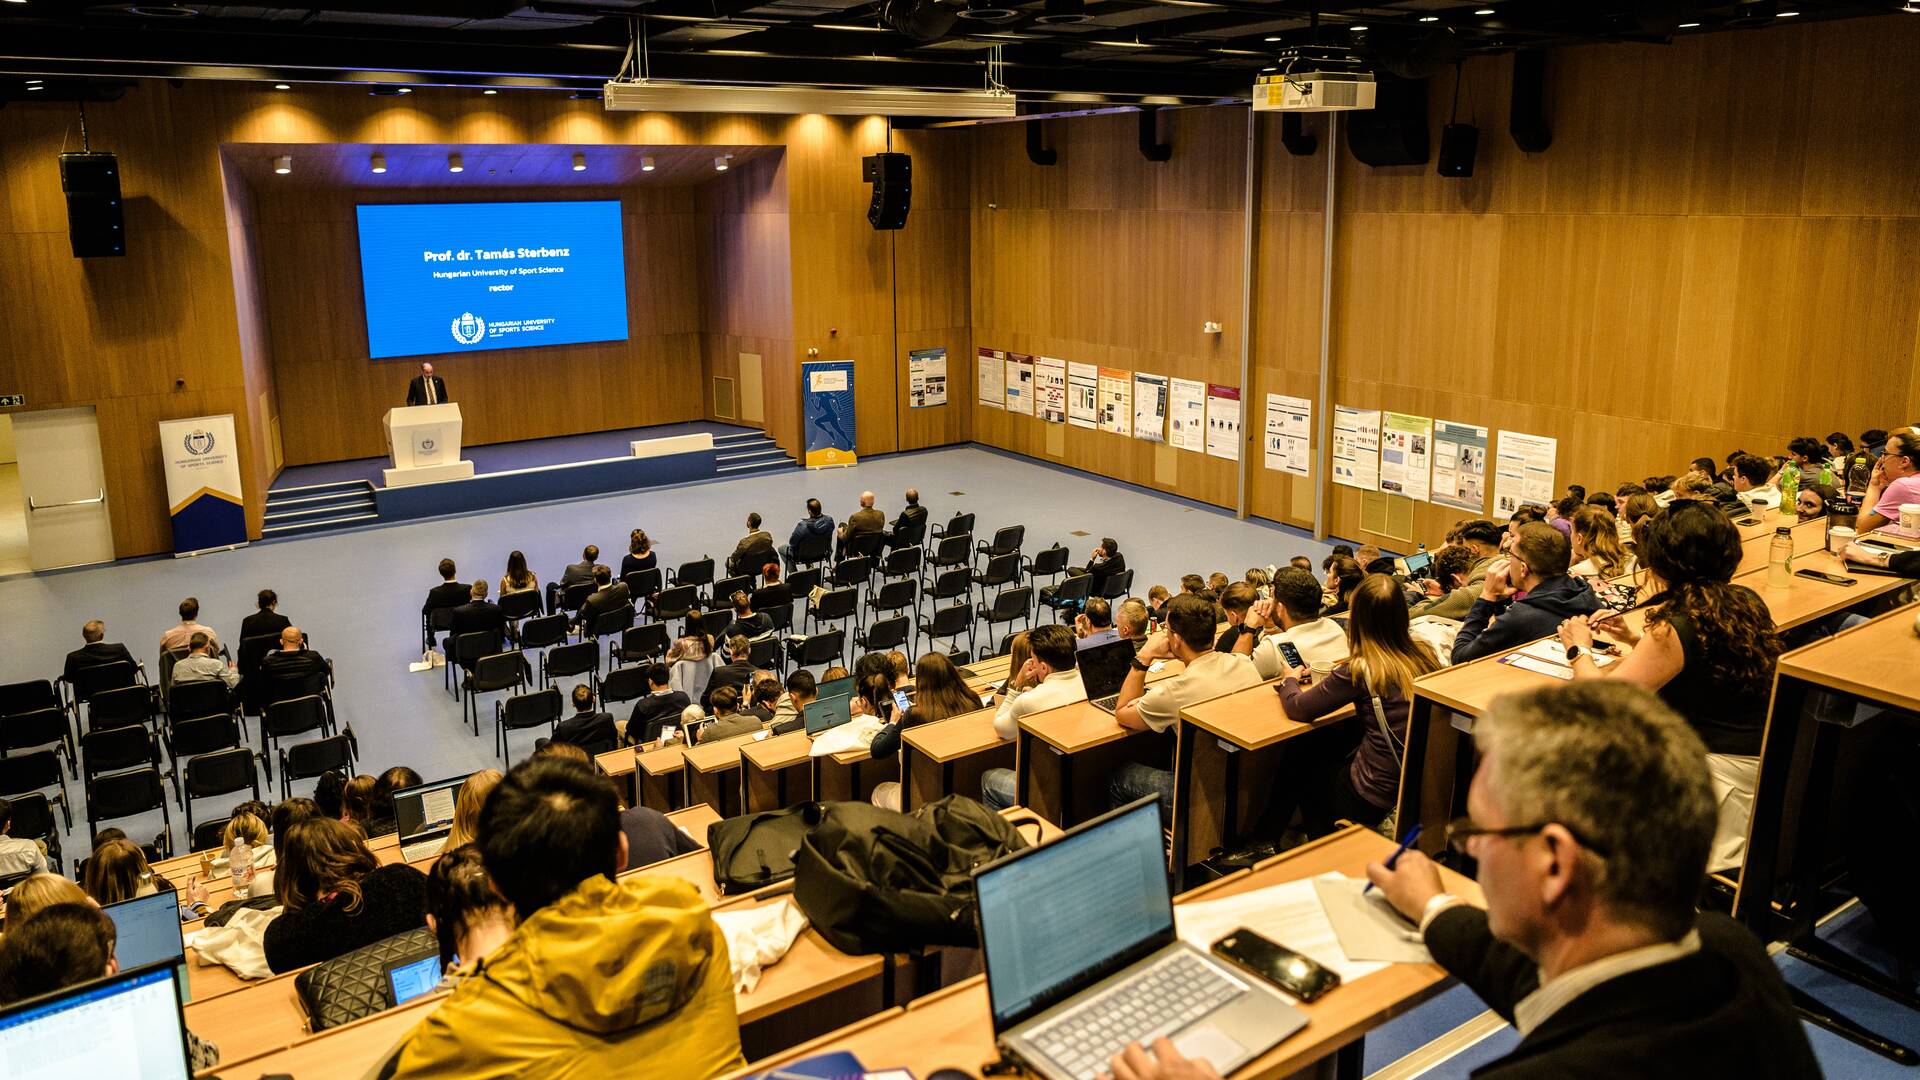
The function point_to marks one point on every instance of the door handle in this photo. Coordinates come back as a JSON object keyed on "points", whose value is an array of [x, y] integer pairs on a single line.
{"points": [[100, 498]]}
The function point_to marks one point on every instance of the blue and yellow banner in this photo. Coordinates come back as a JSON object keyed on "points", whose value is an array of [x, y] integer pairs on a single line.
{"points": [[827, 412], [201, 458]]}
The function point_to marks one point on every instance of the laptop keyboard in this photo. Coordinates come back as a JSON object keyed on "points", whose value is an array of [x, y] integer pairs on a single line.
{"points": [[1110, 703], [1159, 1000], [423, 849]]}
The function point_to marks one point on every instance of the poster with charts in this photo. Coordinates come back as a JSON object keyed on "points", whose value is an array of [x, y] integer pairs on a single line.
{"points": [[1149, 407], [1020, 384], [1223, 421], [1289, 434], [1187, 415], [927, 377], [1406, 454], [1522, 471], [1460, 465], [1083, 395], [991, 370], [1116, 401], [1356, 447], [1050, 389]]}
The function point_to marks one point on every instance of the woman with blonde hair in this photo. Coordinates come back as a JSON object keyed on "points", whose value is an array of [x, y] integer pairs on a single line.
{"points": [[254, 831], [1597, 550], [38, 892], [337, 897], [466, 810]]}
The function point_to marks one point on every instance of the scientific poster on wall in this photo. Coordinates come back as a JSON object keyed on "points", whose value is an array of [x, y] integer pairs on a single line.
{"points": [[1460, 465], [1050, 388], [1289, 434], [927, 377], [1083, 395], [991, 371], [1223, 421], [1116, 401], [1187, 415], [1406, 455], [1356, 447], [1522, 471], [1020, 384], [1149, 406]]}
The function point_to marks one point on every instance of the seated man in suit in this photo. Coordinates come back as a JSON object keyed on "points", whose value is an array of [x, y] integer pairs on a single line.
{"points": [[864, 520], [746, 623], [267, 621], [662, 705], [575, 574], [427, 388], [448, 594], [200, 666], [291, 670], [96, 651], [736, 672], [477, 615], [608, 595], [910, 528], [588, 728], [753, 551]]}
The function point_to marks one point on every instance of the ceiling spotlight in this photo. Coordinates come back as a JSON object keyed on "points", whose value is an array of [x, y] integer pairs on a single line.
{"points": [[35, 86], [377, 163], [1357, 28], [1063, 13], [283, 165], [579, 162], [404, 90], [454, 164], [720, 163], [1484, 11], [987, 11], [1272, 39], [489, 91], [646, 164], [1429, 18], [1688, 25], [1785, 14], [33, 82], [282, 86]]}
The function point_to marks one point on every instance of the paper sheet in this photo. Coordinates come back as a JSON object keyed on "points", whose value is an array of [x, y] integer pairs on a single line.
{"points": [[1290, 914], [1367, 928]]}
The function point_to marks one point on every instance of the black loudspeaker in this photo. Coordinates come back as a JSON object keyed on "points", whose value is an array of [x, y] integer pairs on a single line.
{"points": [[1527, 119], [1457, 145], [1394, 131], [95, 225], [892, 178]]}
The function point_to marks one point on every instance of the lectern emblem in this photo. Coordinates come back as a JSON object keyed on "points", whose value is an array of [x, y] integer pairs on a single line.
{"points": [[426, 446], [199, 443], [469, 328]]}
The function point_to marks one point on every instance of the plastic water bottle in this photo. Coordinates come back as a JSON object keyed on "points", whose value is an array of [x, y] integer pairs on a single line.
{"points": [[1780, 559], [240, 862], [1826, 473], [1790, 491]]}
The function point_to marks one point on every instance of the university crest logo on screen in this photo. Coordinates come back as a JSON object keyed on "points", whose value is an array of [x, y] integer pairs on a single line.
{"points": [[469, 328]]}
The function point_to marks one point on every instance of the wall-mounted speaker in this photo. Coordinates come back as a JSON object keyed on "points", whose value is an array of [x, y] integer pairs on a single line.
{"points": [[1458, 142], [892, 178], [1527, 118], [1394, 131], [95, 224]]}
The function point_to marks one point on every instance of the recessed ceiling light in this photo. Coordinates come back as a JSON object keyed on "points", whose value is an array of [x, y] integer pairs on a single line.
{"points": [[405, 90], [579, 162], [1357, 27], [1484, 11], [283, 165], [1785, 14], [282, 86], [36, 87], [646, 164], [377, 163], [1429, 18], [720, 163], [489, 91], [33, 82], [454, 164], [1688, 25]]}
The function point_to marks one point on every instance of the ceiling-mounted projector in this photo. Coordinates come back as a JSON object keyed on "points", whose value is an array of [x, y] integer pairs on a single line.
{"points": [[1315, 78]]}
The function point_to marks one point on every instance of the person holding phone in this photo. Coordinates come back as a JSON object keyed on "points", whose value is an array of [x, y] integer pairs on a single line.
{"points": [[1709, 651], [1291, 616]]}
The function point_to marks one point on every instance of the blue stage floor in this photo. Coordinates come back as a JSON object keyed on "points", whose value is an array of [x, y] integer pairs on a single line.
{"points": [[504, 457]]}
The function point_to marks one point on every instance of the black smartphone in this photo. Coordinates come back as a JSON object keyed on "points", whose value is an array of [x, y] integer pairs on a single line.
{"points": [[1290, 654], [1822, 575], [1296, 974], [1878, 545], [1746, 521]]}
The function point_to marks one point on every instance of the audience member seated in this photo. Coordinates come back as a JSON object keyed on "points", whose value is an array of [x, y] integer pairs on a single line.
{"points": [[608, 595], [691, 660], [199, 665], [1293, 613], [737, 672], [750, 553], [1452, 566], [801, 689], [579, 573], [95, 651], [381, 818], [588, 728], [1638, 508], [1343, 576], [448, 594], [1047, 678], [287, 671], [1132, 622], [1813, 499], [478, 614], [662, 705], [1207, 674], [939, 692], [1894, 482], [651, 836], [746, 622], [1562, 516], [765, 698], [337, 897], [601, 976], [466, 915], [1537, 568], [1094, 625], [861, 521], [466, 808], [17, 854], [1103, 563], [1596, 546], [910, 528], [1709, 650], [1446, 600], [518, 578], [39, 892], [1235, 602], [812, 528], [252, 828], [1753, 482], [773, 594], [639, 554], [176, 639], [728, 720], [266, 621], [356, 802]]}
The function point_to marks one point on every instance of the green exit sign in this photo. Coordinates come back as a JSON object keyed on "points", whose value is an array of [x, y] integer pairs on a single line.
{"points": [[8, 401]]}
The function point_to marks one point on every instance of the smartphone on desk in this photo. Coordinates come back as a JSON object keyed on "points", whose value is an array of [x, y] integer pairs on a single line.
{"points": [[1822, 575], [1265, 958]]}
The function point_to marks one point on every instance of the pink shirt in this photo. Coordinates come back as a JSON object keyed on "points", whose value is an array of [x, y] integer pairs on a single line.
{"points": [[181, 636], [1904, 490]]}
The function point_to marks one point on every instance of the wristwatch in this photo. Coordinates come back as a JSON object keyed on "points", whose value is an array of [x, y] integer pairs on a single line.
{"points": [[1138, 666], [1575, 652]]}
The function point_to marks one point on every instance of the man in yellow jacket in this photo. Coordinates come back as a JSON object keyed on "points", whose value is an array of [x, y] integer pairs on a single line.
{"points": [[602, 977]]}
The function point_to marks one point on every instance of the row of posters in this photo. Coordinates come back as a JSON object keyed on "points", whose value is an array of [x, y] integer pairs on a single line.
{"points": [[1440, 461], [1201, 417]]}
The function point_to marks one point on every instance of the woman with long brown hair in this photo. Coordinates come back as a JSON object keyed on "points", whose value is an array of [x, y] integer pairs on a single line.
{"points": [[336, 895], [1709, 651], [517, 578], [1597, 550]]}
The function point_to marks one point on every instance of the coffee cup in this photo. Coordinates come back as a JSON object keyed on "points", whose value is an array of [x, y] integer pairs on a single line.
{"points": [[1910, 516], [1838, 538]]}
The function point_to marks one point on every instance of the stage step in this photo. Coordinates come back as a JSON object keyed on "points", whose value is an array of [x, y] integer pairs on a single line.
{"points": [[747, 453], [296, 511]]}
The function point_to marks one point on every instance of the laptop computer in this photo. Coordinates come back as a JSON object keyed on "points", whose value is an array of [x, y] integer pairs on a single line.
{"points": [[841, 687], [410, 976], [1082, 958], [826, 713], [1103, 671], [147, 931], [424, 816], [128, 1026]]}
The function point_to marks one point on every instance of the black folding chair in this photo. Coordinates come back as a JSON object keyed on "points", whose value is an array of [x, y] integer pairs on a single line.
{"points": [[1119, 586], [540, 708], [1069, 596], [675, 601], [111, 749], [521, 605], [543, 631], [610, 624], [853, 572], [501, 671], [818, 648], [957, 525], [576, 594], [802, 582], [88, 681], [953, 552], [764, 652], [285, 719], [36, 728], [723, 590], [867, 544], [1005, 541], [1050, 563], [207, 835], [29, 696], [566, 661], [643, 583], [306, 760], [948, 623], [883, 635], [696, 573], [222, 772], [648, 641], [120, 707], [25, 773], [1002, 570], [810, 551], [903, 562], [33, 820], [464, 649], [432, 624], [203, 697], [1009, 607], [624, 684], [896, 596], [199, 735], [837, 606], [122, 795]]}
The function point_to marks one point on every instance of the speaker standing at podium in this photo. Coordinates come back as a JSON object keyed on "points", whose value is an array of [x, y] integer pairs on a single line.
{"points": [[427, 388]]}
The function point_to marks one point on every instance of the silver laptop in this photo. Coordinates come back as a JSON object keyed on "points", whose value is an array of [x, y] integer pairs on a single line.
{"points": [[129, 1026], [1103, 671], [1082, 958], [424, 816]]}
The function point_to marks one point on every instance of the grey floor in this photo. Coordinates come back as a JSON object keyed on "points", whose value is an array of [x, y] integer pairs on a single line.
{"points": [[358, 593]]}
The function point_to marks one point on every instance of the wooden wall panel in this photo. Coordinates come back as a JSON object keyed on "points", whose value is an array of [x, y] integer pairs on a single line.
{"points": [[932, 258]]}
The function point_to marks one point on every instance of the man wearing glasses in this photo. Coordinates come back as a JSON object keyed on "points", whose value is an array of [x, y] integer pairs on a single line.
{"points": [[1590, 819]]}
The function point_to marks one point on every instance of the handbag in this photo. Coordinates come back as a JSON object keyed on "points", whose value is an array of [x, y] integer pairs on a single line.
{"points": [[349, 987]]}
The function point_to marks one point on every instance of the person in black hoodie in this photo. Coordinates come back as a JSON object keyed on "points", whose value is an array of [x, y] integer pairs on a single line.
{"points": [[1526, 597], [1590, 820]]}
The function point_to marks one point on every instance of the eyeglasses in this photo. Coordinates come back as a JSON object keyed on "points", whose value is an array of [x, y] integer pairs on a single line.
{"points": [[1461, 830]]}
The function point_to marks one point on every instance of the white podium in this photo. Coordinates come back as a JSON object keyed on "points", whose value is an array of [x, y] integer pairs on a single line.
{"points": [[424, 443]]}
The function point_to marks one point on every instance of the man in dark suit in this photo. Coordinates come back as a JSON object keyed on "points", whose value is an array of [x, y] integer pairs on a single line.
{"points": [[427, 388], [291, 670], [662, 705], [575, 574], [1591, 817], [864, 520], [737, 672], [478, 614], [1105, 562], [448, 594], [588, 728], [267, 622], [96, 651], [910, 528], [754, 550], [609, 595]]}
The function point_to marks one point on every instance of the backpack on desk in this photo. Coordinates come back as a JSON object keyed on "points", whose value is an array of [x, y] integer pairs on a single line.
{"points": [[754, 850]]}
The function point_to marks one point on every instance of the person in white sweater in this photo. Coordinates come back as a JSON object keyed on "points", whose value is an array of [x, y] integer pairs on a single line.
{"points": [[1048, 680]]}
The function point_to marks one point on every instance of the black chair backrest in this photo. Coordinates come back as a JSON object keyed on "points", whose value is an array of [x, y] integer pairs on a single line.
{"points": [[724, 589], [676, 601], [889, 633], [530, 710], [781, 615], [954, 550], [253, 648], [609, 623], [316, 756], [295, 716], [697, 572], [543, 630], [520, 605], [764, 652], [645, 642], [29, 772], [220, 772], [202, 735], [577, 593], [1001, 569], [952, 583], [895, 595], [811, 549], [117, 748], [1012, 604], [1051, 561], [948, 621], [576, 659], [32, 815], [837, 604], [201, 698], [89, 681], [854, 570], [439, 620], [715, 623], [501, 670], [643, 583], [125, 794], [823, 647], [802, 582], [751, 560], [624, 684], [207, 835], [1077, 587], [29, 696], [1118, 585], [35, 728], [906, 560], [958, 525], [470, 647], [121, 705], [867, 543], [1007, 539]]}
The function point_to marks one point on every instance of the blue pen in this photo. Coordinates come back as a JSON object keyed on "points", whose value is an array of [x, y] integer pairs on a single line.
{"points": [[1405, 843]]}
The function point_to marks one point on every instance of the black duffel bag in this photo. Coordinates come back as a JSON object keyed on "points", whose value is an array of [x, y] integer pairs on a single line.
{"points": [[753, 850]]}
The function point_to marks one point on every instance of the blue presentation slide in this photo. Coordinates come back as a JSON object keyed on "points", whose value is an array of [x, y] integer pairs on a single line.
{"points": [[462, 277]]}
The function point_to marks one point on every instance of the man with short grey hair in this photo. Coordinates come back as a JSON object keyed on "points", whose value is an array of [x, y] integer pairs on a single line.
{"points": [[200, 665], [1131, 620]]}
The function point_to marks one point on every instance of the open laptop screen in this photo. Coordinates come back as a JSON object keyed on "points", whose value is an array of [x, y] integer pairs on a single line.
{"points": [[126, 1026], [1103, 668], [832, 688], [147, 930], [426, 808], [824, 714], [1059, 917]]}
